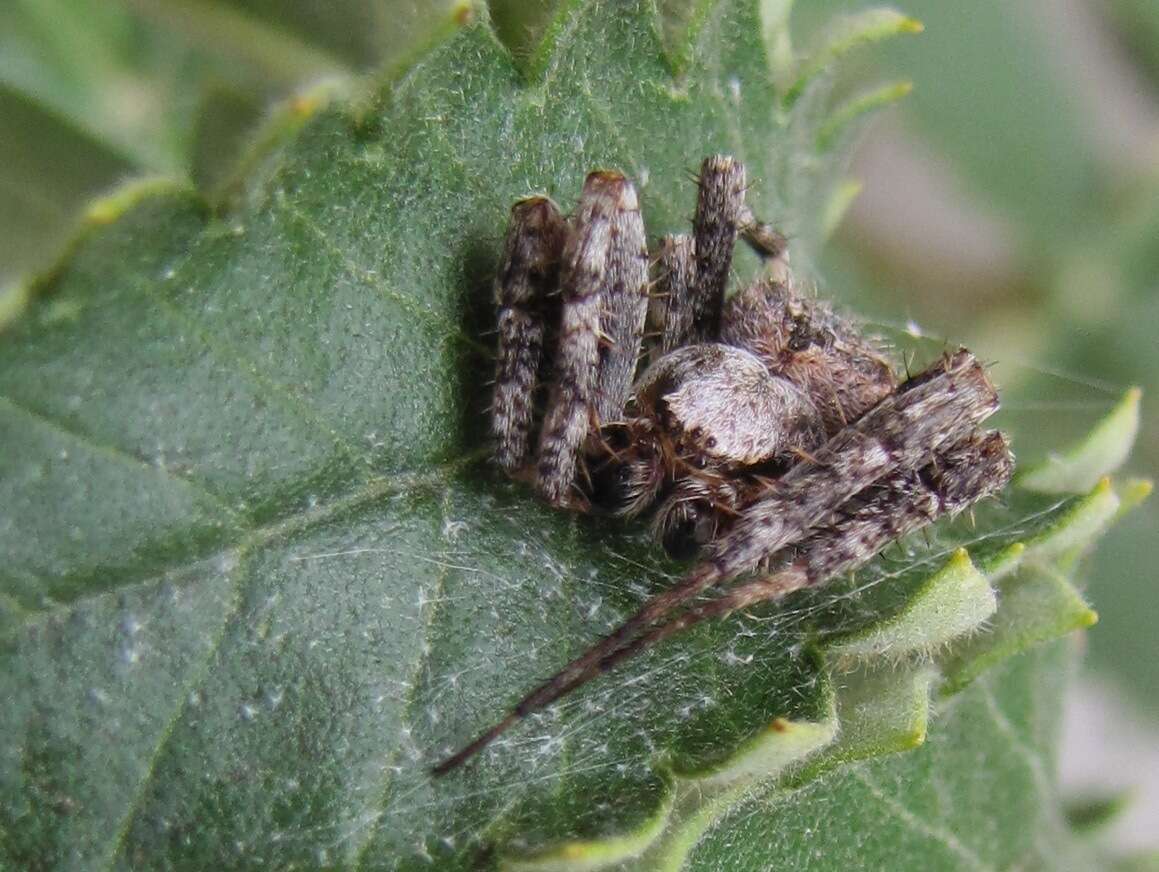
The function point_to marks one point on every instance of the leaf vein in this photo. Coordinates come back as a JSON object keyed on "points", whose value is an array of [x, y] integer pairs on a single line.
{"points": [[122, 455], [137, 800], [368, 277], [375, 489], [248, 369], [420, 664], [946, 838]]}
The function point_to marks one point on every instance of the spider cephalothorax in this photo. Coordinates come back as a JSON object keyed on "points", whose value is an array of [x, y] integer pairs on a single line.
{"points": [[766, 431]]}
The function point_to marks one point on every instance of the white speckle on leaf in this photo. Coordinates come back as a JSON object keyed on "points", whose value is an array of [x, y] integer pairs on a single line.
{"points": [[731, 658], [99, 696], [453, 529]]}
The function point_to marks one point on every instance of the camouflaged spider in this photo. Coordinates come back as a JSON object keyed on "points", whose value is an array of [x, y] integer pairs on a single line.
{"points": [[767, 433]]}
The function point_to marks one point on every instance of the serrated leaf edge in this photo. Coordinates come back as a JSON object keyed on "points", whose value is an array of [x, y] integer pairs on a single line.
{"points": [[695, 800], [845, 34], [283, 119]]}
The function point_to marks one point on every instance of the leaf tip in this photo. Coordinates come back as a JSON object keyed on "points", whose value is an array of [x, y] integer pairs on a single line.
{"points": [[838, 205], [463, 13], [1131, 492], [1102, 451], [846, 34], [14, 300], [108, 208], [860, 106], [915, 738]]}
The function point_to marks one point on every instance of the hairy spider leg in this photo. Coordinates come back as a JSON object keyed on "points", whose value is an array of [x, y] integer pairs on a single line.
{"points": [[720, 207], [937, 408], [623, 304], [528, 273], [764, 239], [603, 268], [672, 294], [693, 271], [978, 467]]}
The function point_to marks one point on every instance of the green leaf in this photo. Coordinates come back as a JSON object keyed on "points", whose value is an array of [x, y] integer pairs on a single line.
{"points": [[844, 35], [1102, 452], [998, 739], [859, 106], [991, 101], [93, 66], [48, 171], [360, 33], [258, 579]]}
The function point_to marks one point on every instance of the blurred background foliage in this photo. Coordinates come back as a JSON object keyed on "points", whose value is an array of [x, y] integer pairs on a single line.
{"points": [[1011, 203]]}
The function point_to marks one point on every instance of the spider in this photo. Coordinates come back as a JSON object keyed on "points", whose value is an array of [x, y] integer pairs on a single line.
{"points": [[766, 434]]}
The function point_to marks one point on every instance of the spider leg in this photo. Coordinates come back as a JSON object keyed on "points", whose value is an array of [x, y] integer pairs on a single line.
{"points": [[939, 408], [603, 271], [934, 410], [976, 468], [673, 301], [720, 209], [623, 305], [693, 271], [528, 272], [764, 239]]}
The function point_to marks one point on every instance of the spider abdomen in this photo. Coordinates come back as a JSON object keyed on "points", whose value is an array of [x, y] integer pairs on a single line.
{"points": [[721, 405]]}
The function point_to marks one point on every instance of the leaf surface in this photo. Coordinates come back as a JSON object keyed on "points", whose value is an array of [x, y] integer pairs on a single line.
{"points": [[257, 579]]}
